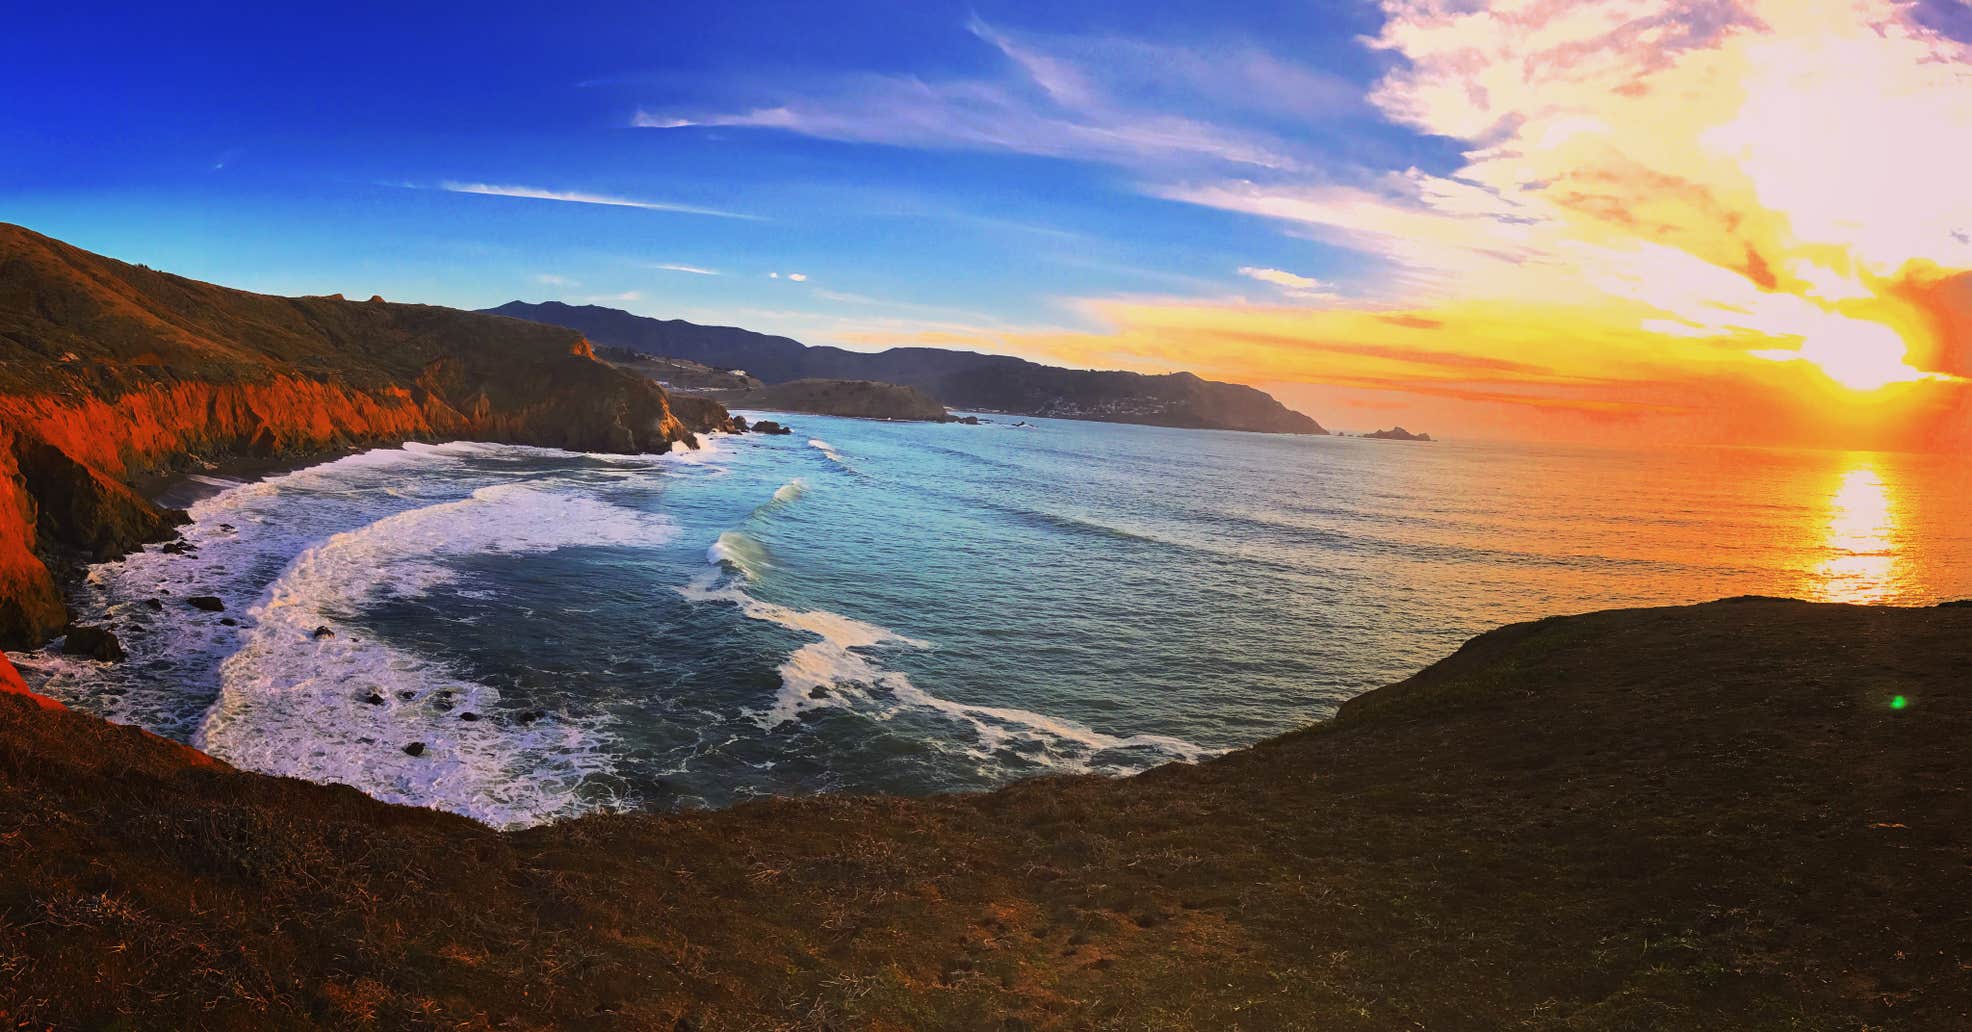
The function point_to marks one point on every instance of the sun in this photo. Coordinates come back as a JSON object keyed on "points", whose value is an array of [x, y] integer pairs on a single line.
{"points": [[1862, 356]]}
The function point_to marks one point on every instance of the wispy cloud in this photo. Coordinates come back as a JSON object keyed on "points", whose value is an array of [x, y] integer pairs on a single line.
{"points": [[578, 197], [798, 277], [693, 269], [552, 280], [1299, 286], [1083, 97]]}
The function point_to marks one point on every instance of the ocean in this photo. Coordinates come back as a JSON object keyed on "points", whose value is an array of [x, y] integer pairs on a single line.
{"points": [[520, 634]]}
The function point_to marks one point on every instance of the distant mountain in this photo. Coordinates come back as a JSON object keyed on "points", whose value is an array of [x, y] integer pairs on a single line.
{"points": [[862, 399], [1396, 433], [959, 379]]}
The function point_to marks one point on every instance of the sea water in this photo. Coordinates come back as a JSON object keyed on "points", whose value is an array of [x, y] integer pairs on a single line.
{"points": [[522, 634]]}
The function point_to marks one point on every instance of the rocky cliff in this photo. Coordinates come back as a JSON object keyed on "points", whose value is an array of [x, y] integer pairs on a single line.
{"points": [[960, 379], [110, 370]]}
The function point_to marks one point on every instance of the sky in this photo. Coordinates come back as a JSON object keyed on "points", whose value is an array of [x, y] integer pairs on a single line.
{"points": [[1700, 221]]}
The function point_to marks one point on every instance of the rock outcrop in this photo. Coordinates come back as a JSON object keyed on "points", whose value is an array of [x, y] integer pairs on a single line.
{"points": [[1396, 433], [110, 370]]}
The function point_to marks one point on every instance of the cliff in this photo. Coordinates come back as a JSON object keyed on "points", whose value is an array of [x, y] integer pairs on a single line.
{"points": [[110, 370], [862, 399], [1709, 817], [959, 379]]}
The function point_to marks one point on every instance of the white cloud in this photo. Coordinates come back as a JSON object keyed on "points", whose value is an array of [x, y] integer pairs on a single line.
{"points": [[575, 197], [553, 280], [693, 269], [623, 298], [798, 277], [1287, 281]]}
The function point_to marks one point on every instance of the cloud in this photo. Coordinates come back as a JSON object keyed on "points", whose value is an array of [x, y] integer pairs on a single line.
{"points": [[1289, 282], [798, 277], [607, 299], [1098, 98], [692, 269], [552, 280], [575, 197]]}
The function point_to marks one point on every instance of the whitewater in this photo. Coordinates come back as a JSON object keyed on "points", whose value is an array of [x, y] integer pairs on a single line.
{"points": [[522, 635]]}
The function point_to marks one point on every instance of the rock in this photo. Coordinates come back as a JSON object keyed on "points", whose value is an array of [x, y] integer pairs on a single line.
{"points": [[415, 749], [179, 548], [97, 643], [323, 632], [407, 696], [229, 621], [768, 426], [968, 420], [373, 698], [468, 715], [739, 424], [154, 604], [208, 603], [531, 716], [818, 692]]}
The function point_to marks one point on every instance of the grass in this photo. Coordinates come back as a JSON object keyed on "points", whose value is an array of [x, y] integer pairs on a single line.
{"points": [[1709, 817]]}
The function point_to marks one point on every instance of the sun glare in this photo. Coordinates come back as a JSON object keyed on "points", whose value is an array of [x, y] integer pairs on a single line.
{"points": [[1859, 539], [1861, 356]]}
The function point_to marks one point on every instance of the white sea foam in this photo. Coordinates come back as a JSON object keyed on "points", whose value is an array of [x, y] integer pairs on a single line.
{"points": [[790, 491], [836, 671], [294, 704], [827, 449]]}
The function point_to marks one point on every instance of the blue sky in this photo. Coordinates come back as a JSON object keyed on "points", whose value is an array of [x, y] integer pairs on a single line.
{"points": [[1602, 219], [330, 151]]}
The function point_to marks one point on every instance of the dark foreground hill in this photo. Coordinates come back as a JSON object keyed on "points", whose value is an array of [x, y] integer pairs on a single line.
{"points": [[110, 370], [1743, 815], [959, 379]]}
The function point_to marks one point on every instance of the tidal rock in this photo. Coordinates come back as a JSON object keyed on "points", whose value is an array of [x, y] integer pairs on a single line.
{"points": [[739, 424], [531, 716], [468, 715], [415, 749], [768, 426], [94, 642], [373, 699], [179, 548], [229, 621], [323, 632], [208, 603], [154, 604]]}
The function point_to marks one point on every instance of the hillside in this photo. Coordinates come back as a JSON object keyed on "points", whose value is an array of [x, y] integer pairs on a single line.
{"points": [[862, 399], [1708, 817], [958, 379], [110, 370]]}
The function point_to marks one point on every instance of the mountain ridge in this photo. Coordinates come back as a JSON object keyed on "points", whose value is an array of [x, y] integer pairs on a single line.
{"points": [[958, 379]]}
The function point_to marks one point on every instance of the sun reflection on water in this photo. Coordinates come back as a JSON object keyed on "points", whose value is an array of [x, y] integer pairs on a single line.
{"points": [[1861, 563]]}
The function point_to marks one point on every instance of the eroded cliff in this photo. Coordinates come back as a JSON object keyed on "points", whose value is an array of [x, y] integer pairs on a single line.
{"points": [[110, 370]]}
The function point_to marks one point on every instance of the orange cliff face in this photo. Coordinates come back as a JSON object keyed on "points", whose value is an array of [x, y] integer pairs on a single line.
{"points": [[109, 370]]}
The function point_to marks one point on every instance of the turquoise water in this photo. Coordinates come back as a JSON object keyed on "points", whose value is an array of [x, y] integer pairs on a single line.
{"points": [[914, 608]]}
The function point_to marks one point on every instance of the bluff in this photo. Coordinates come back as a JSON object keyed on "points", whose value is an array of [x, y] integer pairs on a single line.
{"points": [[958, 379], [1744, 815], [110, 370]]}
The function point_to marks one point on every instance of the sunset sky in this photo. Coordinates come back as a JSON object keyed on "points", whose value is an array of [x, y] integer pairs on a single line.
{"points": [[1624, 220]]}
